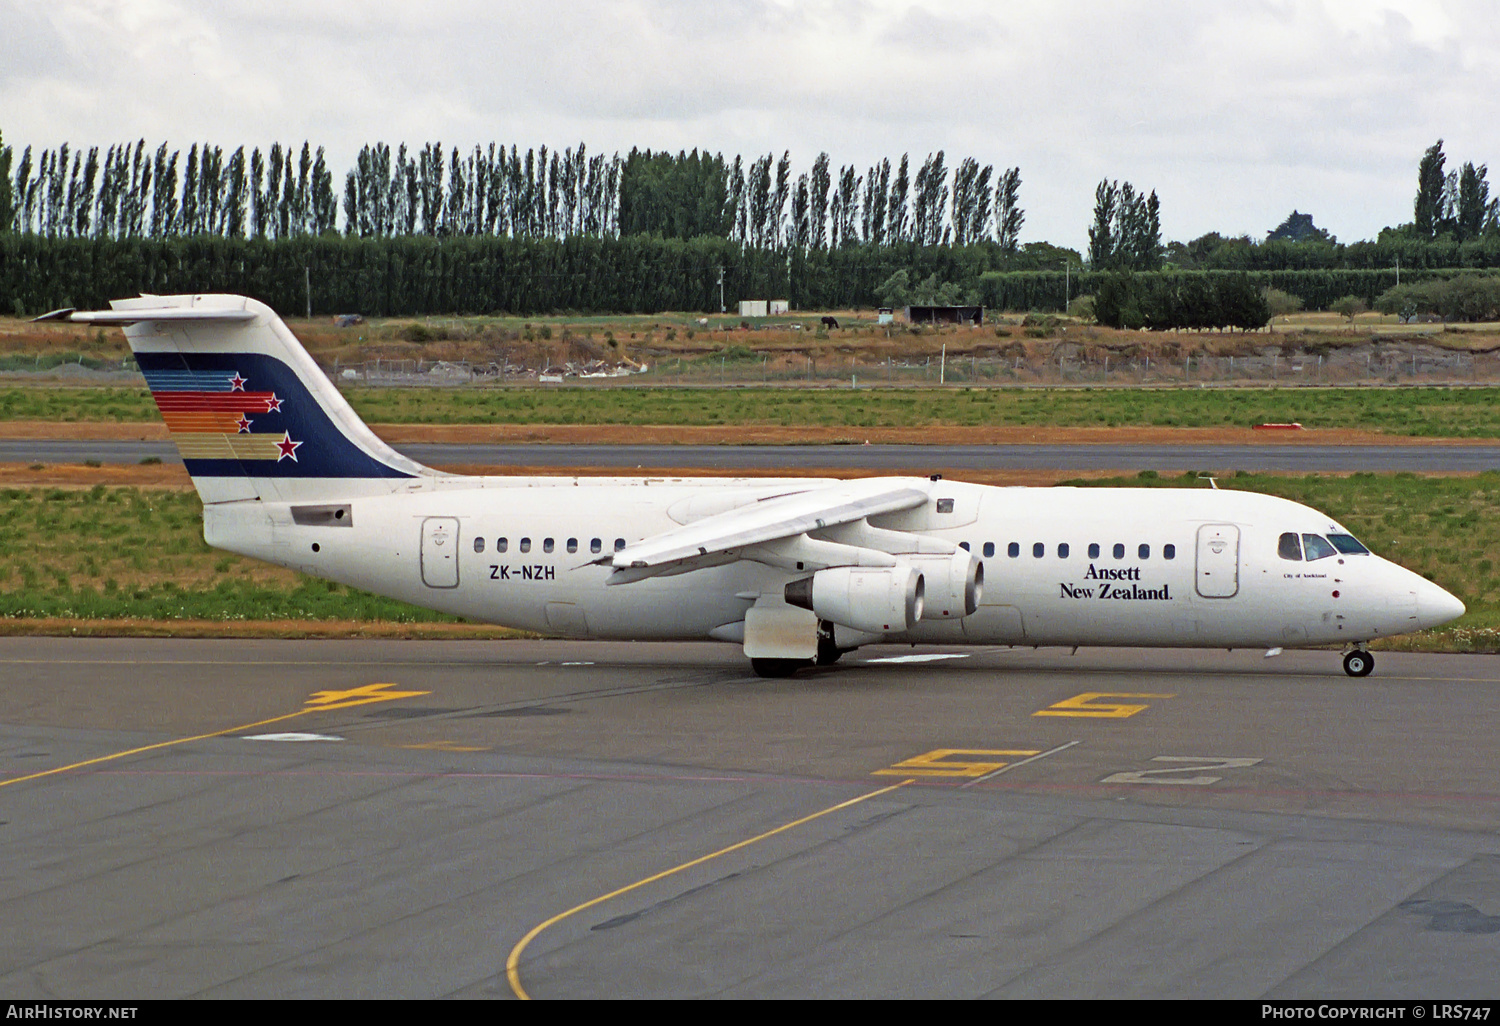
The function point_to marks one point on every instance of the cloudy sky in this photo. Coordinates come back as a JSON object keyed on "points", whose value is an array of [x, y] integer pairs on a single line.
{"points": [[1234, 111]]}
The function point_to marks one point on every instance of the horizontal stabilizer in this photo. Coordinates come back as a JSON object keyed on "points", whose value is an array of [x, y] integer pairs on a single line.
{"points": [[123, 317]]}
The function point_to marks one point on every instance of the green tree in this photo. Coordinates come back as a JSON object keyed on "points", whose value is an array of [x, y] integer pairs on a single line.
{"points": [[1102, 231], [897, 218], [819, 186], [1299, 227], [1473, 210], [7, 197], [1431, 187], [1279, 303], [1008, 213], [1348, 307]]}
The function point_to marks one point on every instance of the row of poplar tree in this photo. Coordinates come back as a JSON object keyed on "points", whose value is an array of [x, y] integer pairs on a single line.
{"points": [[130, 191]]}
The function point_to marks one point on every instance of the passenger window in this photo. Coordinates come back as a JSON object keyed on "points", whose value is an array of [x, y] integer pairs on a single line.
{"points": [[1094, 550], [596, 545], [964, 546], [478, 544], [501, 544], [1348, 545], [1013, 550], [1119, 551], [1062, 550], [945, 505], [572, 544], [1169, 552], [1317, 547], [989, 549], [619, 544], [525, 544], [1289, 546], [547, 545], [1144, 552], [1039, 550]]}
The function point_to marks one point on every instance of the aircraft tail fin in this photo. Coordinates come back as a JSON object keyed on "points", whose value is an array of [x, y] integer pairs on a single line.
{"points": [[252, 414]]}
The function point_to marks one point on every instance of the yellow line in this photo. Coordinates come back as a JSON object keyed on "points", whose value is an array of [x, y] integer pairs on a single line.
{"points": [[147, 748], [513, 963], [365, 695]]}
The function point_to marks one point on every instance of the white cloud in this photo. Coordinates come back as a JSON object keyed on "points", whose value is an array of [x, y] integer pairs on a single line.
{"points": [[1234, 112]]}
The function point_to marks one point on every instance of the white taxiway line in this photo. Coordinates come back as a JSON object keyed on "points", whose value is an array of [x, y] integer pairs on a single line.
{"points": [[927, 657], [1012, 765]]}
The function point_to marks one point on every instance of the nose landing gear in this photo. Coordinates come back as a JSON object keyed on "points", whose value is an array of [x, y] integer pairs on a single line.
{"points": [[1359, 663]]}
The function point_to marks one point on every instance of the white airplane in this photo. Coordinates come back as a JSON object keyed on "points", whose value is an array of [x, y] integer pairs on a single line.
{"points": [[797, 571]]}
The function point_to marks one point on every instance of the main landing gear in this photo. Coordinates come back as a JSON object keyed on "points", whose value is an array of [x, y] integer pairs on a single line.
{"points": [[828, 654], [1359, 663]]}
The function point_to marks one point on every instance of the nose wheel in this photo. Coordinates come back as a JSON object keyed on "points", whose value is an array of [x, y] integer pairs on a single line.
{"points": [[1359, 663]]}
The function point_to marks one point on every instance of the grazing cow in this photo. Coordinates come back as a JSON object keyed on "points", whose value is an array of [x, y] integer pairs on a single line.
{"points": [[830, 322]]}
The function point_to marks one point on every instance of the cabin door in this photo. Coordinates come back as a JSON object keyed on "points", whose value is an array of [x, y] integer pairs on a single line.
{"points": [[440, 552], [1218, 560]]}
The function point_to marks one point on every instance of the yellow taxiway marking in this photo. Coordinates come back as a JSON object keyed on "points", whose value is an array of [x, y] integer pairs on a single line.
{"points": [[321, 701], [446, 746], [931, 764], [513, 963], [1090, 705]]}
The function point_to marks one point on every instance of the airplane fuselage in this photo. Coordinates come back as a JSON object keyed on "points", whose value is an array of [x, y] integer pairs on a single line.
{"points": [[1062, 566]]}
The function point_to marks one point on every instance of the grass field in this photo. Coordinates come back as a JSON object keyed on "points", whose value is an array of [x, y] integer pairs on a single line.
{"points": [[76, 558], [113, 553], [1433, 412]]}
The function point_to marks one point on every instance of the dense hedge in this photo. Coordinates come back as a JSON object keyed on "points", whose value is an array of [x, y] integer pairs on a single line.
{"points": [[1318, 289], [414, 275]]}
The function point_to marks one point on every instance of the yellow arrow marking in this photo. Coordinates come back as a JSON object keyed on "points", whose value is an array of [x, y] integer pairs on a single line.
{"points": [[322, 701]]}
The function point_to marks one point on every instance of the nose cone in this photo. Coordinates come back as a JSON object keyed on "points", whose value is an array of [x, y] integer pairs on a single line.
{"points": [[1435, 606]]}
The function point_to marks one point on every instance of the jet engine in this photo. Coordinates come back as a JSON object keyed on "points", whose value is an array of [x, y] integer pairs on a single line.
{"points": [[953, 584], [875, 600]]}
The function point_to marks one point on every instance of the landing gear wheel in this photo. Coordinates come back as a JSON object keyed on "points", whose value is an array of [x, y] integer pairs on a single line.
{"points": [[828, 652], [1359, 663], [777, 667]]}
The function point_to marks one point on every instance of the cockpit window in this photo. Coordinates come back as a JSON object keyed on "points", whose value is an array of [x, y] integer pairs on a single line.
{"points": [[1317, 547], [1289, 547], [1348, 545]]}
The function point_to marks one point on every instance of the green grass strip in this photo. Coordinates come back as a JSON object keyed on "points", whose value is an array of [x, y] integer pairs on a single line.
{"points": [[1434, 412]]}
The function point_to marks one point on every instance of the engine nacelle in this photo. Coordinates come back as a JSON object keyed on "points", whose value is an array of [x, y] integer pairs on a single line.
{"points": [[953, 584], [879, 601]]}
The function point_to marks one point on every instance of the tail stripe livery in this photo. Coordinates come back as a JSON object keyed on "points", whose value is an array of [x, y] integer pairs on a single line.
{"points": [[248, 413]]}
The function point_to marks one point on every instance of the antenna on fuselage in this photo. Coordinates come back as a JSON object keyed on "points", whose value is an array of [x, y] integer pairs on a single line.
{"points": [[1210, 479]]}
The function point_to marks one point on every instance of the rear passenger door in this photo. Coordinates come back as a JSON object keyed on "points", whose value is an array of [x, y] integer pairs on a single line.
{"points": [[440, 552]]}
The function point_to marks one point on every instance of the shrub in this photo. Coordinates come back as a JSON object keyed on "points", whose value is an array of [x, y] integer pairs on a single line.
{"points": [[1348, 307]]}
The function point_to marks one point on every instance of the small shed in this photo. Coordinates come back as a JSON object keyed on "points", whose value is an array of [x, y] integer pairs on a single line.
{"points": [[780, 307], [945, 315], [885, 315], [752, 308]]}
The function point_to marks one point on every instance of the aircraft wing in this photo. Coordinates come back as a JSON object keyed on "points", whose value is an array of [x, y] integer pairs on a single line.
{"points": [[718, 539]]}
